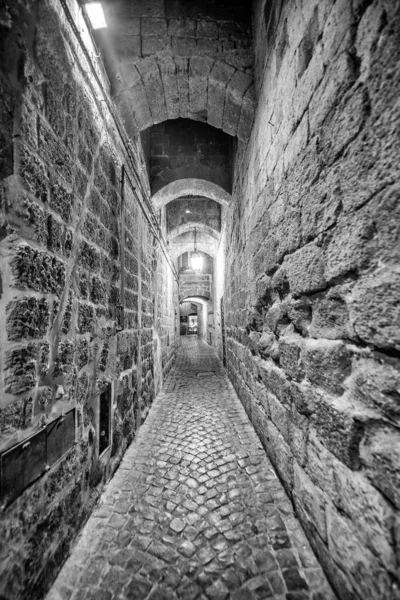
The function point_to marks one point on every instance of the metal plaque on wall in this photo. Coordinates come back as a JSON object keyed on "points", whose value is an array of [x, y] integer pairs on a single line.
{"points": [[21, 465], [60, 436]]}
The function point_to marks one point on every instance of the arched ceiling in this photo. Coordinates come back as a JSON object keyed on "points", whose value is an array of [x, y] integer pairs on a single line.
{"points": [[189, 227], [190, 187], [199, 88], [207, 244], [170, 59]]}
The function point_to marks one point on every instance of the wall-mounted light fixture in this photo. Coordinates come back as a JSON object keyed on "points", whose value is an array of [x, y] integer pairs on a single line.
{"points": [[196, 260], [95, 13]]}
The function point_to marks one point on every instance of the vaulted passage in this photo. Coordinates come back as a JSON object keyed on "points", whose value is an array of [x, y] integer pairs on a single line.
{"points": [[199, 299]]}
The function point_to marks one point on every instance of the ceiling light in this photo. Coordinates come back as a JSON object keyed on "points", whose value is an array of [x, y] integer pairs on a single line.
{"points": [[94, 11], [188, 211]]}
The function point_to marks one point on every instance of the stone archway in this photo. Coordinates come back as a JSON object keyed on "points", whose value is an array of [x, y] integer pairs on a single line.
{"points": [[198, 88], [190, 187]]}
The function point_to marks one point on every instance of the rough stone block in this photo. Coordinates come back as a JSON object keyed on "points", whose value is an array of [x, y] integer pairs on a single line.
{"points": [[44, 359], [16, 415], [89, 257], [280, 454], [327, 363], [182, 27], [153, 45], [368, 510], [55, 232], [151, 26], [151, 78], [290, 347], [349, 249], [380, 454], [330, 316], [27, 317], [98, 291], [299, 312], [44, 397], [311, 498], [170, 83], [61, 201], [337, 29], [82, 353], [377, 384], [280, 416], [340, 428], [344, 124], [374, 309], [275, 381], [309, 82], [182, 64], [184, 46], [305, 270], [85, 318], [321, 205], [207, 29], [34, 175], [338, 77], [64, 360], [303, 397], [368, 577], [38, 270], [20, 365]]}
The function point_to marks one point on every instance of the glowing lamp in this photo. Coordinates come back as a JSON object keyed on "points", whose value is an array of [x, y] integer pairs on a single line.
{"points": [[94, 11], [196, 260]]}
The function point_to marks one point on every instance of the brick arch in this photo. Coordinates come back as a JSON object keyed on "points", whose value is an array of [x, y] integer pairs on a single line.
{"points": [[190, 187], [198, 88], [200, 227]]}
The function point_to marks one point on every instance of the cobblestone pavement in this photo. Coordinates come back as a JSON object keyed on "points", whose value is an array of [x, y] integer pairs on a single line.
{"points": [[195, 510]]}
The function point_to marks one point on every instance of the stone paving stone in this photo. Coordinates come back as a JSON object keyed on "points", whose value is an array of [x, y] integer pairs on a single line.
{"points": [[195, 509]]}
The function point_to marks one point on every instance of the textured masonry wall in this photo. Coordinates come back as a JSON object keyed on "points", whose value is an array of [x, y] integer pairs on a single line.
{"points": [[195, 284], [312, 279], [60, 248], [183, 28], [193, 209]]}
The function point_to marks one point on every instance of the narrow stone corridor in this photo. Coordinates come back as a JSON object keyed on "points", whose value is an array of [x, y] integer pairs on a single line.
{"points": [[195, 510]]}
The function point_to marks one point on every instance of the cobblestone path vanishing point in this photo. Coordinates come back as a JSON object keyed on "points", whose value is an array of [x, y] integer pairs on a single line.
{"points": [[195, 509]]}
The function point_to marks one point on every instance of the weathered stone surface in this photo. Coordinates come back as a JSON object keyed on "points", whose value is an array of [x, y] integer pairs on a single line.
{"points": [[27, 317], [38, 271], [15, 416], [290, 347], [20, 365], [327, 364], [374, 310], [379, 453], [330, 316], [305, 270]]}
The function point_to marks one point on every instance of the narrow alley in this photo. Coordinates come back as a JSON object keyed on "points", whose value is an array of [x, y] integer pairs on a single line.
{"points": [[199, 299], [195, 509]]}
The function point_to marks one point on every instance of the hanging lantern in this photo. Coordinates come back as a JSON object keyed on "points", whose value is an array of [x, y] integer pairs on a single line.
{"points": [[196, 260]]}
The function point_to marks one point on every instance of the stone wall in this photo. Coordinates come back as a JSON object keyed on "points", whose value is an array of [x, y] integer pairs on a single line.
{"points": [[312, 280], [193, 209], [182, 28], [61, 237], [195, 284]]}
